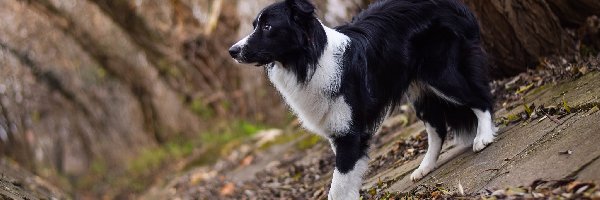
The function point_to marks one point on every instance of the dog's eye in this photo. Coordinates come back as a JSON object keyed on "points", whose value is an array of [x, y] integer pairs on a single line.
{"points": [[267, 27]]}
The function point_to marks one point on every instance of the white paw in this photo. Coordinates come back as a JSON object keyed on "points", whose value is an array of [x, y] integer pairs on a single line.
{"points": [[346, 186], [420, 172], [343, 195], [481, 142]]}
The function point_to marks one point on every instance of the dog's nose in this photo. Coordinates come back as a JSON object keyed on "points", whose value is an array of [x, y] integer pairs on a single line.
{"points": [[234, 51]]}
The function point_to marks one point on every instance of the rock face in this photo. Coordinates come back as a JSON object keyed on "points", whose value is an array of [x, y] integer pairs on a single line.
{"points": [[517, 33], [76, 87]]}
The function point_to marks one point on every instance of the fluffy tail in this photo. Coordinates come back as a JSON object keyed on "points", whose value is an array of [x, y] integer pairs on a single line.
{"points": [[464, 125]]}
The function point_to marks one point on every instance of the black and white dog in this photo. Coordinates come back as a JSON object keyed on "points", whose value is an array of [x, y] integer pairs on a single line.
{"points": [[342, 82]]}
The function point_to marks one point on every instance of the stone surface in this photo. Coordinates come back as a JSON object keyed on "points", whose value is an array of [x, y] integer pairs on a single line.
{"points": [[523, 152]]}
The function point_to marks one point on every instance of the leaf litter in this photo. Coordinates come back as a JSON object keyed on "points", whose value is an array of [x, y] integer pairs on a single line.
{"points": [[305, 174]]}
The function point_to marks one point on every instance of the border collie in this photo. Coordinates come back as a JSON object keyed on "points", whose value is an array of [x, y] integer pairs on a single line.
{"points": [[341, 82]]}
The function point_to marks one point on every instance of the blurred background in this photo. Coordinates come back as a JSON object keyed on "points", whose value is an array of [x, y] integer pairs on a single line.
{"points": [[99, 97]]}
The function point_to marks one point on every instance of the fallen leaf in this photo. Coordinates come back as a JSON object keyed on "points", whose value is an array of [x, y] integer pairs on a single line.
{"points": [[524, 89], [576, 185], [584, 70], [499, 193], [512, 82], [247, 160], [538, 195], [444, 191], [537, 183], [266, 136], [566, 106], [227, 189], [582, 189], [196, 178], [318, 193], [543, 118], [593, 110], [461, 189], [515, 191], [528, 109]]}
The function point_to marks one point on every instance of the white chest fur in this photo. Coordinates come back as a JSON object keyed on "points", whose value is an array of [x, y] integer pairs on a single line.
{"points": [[312, 102]]}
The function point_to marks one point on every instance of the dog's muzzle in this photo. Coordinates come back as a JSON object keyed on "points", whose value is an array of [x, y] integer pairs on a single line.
{"points": [[235, 51]]}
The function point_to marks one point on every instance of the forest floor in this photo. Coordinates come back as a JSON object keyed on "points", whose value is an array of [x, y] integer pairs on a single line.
{"points": [[547, 146]]}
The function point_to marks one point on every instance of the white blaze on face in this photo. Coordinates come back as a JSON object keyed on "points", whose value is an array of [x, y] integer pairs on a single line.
{"points": [[243, 42]]}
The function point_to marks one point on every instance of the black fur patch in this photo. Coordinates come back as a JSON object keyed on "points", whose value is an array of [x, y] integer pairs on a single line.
{"points": [[394, 43]]}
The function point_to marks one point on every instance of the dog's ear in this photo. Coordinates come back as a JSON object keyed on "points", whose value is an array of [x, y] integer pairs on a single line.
{"points": [[301, 8]]}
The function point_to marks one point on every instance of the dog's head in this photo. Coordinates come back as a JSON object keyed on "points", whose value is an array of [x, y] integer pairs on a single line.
{"points": [[282, 31]]}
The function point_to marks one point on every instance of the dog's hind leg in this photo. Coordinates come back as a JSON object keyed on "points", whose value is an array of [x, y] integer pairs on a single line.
{"points": [[428, 163], [351, 163], [430, 112], [468, 100], [475, 73], [472, 93], [485, 129]]}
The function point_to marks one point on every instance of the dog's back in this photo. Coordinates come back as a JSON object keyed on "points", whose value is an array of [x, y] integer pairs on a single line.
{"points": [[396, 43], [430, 50]]}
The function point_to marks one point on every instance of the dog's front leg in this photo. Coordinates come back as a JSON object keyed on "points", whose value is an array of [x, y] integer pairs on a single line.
{"points": [[351, 162]]}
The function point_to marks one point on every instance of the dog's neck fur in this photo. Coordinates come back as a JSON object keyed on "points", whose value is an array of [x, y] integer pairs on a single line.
{"points": [[305, 59], [314, 101]]}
